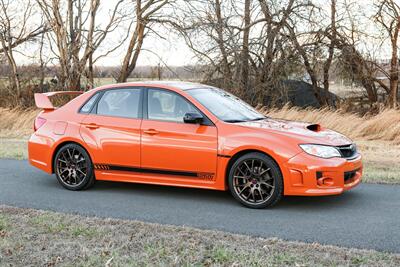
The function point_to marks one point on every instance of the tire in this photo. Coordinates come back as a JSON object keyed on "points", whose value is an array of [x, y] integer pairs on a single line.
{"points": [[73, 168], [255, 181]]}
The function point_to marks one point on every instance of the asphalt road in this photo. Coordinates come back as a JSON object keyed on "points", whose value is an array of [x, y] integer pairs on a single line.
{"points": [[366, 217]]}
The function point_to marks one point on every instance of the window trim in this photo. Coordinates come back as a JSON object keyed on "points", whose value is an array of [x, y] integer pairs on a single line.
{"points": [[103, 91], [206, 121], [96, 94], [215, 88]]}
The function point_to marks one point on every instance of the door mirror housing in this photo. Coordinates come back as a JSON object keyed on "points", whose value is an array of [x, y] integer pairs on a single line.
{"points": [[193, 118]]}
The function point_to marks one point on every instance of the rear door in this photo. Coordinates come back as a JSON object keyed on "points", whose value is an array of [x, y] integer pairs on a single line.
{"points": [[112, 128], [172, 147]]}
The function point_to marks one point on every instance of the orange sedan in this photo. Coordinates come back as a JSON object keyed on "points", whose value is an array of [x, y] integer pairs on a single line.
{"points": [[189, 135]]}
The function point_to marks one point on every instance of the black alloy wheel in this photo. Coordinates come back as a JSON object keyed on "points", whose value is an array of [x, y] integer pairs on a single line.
{"points": [[73, 167], [255, 180]]}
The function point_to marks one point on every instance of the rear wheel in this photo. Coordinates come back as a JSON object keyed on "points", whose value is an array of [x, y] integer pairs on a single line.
{"points": [[73, 167], [255, 180]]}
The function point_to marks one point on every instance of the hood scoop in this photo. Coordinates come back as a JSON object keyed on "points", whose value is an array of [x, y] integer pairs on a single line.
{"points": [[314, 127]]}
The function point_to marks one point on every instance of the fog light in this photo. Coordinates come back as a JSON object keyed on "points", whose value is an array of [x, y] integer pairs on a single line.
{"points": [[325, 181]]}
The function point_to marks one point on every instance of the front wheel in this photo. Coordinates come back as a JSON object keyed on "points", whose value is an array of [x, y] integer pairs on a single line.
{"points": [[255, 180], [73, 167]]}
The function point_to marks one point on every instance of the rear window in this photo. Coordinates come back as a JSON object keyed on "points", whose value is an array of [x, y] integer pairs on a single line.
{"points": [[89, 104]]}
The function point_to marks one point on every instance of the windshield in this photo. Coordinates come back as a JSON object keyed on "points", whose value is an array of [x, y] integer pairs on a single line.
{"points": [[225, 106]]}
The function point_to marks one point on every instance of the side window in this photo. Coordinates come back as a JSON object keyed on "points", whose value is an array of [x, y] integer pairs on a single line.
{"points": [[167, 106], [120, 103], [89, 104]]}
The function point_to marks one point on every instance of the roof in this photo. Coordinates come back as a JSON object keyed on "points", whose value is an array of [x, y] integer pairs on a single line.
{"points": [[180, 85]]}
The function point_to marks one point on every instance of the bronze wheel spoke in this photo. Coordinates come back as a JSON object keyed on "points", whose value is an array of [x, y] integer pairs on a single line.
{"points": [[247, 166], [253, 182], [244, 188]]}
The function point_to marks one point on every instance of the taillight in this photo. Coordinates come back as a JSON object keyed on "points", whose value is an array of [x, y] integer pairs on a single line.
{"points": [[39, 121]]}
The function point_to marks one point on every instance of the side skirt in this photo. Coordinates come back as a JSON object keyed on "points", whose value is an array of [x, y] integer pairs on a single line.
{"points": [[200, 175]]}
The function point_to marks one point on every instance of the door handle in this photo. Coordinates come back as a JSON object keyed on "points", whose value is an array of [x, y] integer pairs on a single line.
{"points": [[151, 131], [92, 126]]}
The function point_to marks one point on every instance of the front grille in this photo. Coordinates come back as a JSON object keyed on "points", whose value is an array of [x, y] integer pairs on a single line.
{"points": [[348, 151], [349, 175]]}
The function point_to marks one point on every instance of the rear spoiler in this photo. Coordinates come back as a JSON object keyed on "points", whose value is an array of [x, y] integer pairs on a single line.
{"points": [[42, 99]]}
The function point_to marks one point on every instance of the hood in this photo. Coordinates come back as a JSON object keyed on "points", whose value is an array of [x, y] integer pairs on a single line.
{"points": [[302, 132]]}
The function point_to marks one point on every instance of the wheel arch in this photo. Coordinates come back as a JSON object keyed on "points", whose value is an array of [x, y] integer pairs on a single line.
{"points": [[243, 152], [62, 144]]}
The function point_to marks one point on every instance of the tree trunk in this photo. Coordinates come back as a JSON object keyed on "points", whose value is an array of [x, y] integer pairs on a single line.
{"points": [[90, 72], [221, 45], [394, 68], [244, 75], [307, 65], [394, 82], [73, 82], [135, 46], [132, 54], [14, 70], [331, 49]]}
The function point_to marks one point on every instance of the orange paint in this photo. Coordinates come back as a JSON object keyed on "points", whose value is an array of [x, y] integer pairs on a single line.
{"points": [[141, 150]]}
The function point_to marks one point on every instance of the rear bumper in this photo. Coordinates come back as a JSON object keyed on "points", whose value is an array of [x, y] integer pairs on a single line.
{"points": [[307, 175], [39, 152]]}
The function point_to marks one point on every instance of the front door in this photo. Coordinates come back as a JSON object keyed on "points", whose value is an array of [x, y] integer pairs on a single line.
{"points": [[112, 130], [172, 147]]}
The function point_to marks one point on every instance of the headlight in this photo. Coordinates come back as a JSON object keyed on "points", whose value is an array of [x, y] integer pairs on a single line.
{"points": [[321, 151]]}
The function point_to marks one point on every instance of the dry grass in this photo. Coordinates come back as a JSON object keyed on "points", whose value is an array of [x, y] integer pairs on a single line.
{"points": [[38, 238], [383, 126], [381, 161], [16, 123]]}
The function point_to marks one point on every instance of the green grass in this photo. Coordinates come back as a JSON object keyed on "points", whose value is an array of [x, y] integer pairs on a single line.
{"points": [[52, 223], [89, 232], [43, 238], [13, 148], [375, 173], [3, 223]]}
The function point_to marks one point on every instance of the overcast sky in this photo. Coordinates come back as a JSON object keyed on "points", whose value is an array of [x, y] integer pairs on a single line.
{"points": [[170, 49]]}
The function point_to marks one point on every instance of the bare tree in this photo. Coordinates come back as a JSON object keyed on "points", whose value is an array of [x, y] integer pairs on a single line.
{"points": [[77, 34], [147, 13], [331, 30], [242, 42], [204, 25], [388, 17], [245, 53], [16, 28], [307, 61]]}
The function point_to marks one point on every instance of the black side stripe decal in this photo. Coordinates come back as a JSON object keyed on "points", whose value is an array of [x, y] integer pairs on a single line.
{"points": [[168, 172], [203, 175]]}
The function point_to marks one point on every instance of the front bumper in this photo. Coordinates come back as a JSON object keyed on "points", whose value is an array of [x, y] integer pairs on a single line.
{"points": [[306, 175]]}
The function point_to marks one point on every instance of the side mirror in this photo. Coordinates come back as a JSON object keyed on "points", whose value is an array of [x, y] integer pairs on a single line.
{"points": [[193, 118]]}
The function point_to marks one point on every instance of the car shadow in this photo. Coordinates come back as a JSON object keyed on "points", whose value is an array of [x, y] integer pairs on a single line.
{"points": [[224, 197], [206, 196]]}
